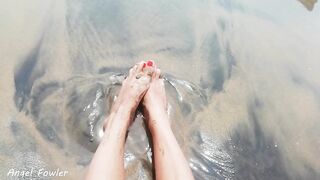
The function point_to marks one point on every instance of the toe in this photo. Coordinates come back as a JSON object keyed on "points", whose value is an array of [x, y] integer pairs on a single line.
{"points": [[157, 73], [150, 63], [132, 70], [140, 66], [149, 68]]}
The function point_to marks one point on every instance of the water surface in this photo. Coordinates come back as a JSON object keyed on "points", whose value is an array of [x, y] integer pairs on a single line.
{"points": [[242, 80]]}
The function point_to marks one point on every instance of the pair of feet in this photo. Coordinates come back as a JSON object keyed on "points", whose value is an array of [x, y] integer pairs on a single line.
{"points": [[143, 84]]}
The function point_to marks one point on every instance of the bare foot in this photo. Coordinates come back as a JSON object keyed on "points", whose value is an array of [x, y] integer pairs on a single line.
{"points": [[155, 103], [133, 89]]}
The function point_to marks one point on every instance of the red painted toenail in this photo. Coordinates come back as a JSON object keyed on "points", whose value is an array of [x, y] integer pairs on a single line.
{"points": [[149, 63], [144, 65]]}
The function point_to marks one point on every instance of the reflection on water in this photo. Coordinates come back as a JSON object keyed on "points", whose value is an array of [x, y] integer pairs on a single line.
{"points": [[241, 79]]}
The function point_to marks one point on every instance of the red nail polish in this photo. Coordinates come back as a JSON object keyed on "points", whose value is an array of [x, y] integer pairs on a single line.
{"points": [[149, 63]]}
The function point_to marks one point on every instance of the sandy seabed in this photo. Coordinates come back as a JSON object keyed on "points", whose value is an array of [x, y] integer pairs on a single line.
{"points": [[254, 105]]}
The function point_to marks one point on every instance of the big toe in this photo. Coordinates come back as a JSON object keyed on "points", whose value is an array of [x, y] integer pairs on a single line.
{"points": [[149, 67], [145, 71]]}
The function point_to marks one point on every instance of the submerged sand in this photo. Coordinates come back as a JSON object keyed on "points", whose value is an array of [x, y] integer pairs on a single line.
{"points": [[254, 64]]}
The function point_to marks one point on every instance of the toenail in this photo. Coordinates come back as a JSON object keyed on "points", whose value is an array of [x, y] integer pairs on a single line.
{"points": [[150, 63]]}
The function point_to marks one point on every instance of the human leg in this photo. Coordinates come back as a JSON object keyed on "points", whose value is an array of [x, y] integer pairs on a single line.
{"points": [[107, 162], [170, 162]]}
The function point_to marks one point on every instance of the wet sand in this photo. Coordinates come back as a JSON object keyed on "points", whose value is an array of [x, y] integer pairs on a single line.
{"points": [[255, 65]]}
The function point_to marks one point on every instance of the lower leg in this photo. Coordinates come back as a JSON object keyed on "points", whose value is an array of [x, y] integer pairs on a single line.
{"points": [[170, 162], [107, 162]]}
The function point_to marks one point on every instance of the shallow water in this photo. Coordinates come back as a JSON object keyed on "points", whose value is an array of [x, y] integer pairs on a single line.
{"points": [[242, 79]]}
